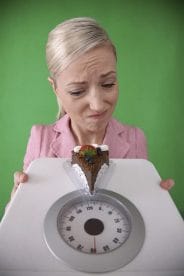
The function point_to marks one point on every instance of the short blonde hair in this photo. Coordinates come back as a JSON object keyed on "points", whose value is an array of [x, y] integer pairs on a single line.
{"points": [[71, 39]]}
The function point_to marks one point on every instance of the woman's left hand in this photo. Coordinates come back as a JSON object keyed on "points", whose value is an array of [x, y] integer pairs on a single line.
{"points": [[167, 184]]}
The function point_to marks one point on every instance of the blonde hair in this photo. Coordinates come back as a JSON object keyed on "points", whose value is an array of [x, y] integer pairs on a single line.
{"points": [[69, 40]]}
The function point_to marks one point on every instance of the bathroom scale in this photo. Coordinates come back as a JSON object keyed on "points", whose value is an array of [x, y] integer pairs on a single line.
{"points": [[128, 226]]}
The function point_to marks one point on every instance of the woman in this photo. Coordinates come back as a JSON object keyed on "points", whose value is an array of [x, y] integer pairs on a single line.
{"points": [[82, 64]]}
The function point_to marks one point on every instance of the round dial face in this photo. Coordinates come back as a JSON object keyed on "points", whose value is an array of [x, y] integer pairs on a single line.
{"points": [[94, 226], [97, 233]]}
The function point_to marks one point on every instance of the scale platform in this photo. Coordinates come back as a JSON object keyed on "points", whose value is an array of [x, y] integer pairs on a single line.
{"points": [[29, 239]]}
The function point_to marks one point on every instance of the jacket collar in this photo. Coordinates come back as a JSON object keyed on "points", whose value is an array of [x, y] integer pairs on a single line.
{"points": [[64, 142], [116, 139]]}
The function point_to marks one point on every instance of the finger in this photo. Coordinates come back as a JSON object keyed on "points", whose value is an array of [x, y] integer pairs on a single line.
{"points": [[19, 177], [23, 177], [167, 184]]}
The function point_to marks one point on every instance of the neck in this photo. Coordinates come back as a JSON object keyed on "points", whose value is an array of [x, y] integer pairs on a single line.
{"points": [[87, 137]]}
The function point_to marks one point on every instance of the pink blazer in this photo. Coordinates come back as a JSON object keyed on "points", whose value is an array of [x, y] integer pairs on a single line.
{"points": [[56, 140]]}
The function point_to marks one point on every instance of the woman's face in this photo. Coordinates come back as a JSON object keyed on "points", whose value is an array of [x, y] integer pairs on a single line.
{"points": [[88, 89]]}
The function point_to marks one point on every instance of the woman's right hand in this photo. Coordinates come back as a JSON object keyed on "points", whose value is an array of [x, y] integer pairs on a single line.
{"points": [[19, 177]]}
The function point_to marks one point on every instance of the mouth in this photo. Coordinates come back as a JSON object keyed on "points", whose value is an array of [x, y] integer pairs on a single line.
{"points": [[98, 115]]}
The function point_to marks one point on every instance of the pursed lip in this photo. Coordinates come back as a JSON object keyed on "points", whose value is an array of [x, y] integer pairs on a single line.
{"points": [[97, 115]]}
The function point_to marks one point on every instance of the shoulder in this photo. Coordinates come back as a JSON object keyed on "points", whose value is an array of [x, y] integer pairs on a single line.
{"points": [[42, 137], [129, 130], [39, 135], [129, 136], [39, 130], [50, 129]]}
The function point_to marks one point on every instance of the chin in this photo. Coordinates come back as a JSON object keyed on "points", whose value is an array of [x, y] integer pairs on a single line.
{"points": [[97, 126]]}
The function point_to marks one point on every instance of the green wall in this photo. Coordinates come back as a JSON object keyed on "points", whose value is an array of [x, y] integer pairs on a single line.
{"points": [[150, 43]]}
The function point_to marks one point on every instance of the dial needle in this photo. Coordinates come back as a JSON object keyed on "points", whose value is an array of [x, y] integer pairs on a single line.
{"points": [[94, 245]]}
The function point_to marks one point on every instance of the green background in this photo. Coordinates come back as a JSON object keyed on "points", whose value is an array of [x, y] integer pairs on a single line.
{"points": [[149, 40]]}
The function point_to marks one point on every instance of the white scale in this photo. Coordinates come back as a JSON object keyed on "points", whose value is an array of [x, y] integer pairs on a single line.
{"points": [[129, 226]]}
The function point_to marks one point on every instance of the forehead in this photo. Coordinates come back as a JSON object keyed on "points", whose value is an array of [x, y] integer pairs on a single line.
{"points": [[98, 61]]}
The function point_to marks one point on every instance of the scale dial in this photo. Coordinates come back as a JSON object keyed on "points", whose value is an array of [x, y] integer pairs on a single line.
{"points": [[94, 233], [93, 226]]}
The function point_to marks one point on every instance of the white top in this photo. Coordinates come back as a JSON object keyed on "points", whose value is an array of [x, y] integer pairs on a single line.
{"points": [[102, 147]]}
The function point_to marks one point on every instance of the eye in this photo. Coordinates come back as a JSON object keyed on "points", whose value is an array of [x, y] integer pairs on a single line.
{"points": [[108, 85], [76, 93]]}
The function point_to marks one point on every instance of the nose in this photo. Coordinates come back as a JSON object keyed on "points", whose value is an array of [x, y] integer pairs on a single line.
{"points": [[96, 102]]}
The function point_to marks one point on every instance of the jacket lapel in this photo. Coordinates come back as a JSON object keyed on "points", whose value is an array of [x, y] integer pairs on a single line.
{"points": [[63, 142], [116, 139]]}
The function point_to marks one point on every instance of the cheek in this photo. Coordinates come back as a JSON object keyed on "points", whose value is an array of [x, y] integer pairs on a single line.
{"points": [[73, 107], [113, 97], [65, 103]]}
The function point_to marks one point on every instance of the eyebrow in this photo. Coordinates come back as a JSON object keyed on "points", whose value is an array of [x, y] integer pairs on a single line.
{"points": [[76, 82], [107, 74], [84, 82]]}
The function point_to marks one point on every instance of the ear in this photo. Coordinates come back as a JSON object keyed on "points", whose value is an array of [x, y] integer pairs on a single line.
{"points": [[52, 83]]}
